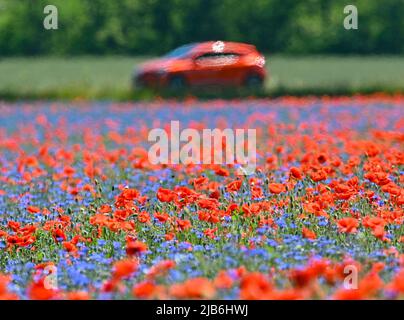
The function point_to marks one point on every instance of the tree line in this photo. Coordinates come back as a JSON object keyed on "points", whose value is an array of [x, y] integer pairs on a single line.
{"points": [[150, 27]]}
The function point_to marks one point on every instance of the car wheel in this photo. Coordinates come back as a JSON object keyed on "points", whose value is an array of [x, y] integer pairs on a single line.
{"points": [[254, 81], [177, 83]]}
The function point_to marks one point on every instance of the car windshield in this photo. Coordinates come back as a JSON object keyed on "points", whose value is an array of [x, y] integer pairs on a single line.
{"points": [[180, 52]]}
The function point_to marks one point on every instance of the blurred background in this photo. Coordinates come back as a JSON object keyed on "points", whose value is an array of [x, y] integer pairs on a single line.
{"points": [[98, 42]]}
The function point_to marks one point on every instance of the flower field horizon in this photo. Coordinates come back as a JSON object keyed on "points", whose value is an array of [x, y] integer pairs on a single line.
{"points": [[84, 214]]}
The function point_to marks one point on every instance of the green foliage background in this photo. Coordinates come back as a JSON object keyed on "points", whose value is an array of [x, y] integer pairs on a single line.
{"points": [[140, 27]]}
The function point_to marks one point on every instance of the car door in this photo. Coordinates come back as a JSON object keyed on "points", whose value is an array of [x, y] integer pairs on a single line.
{"points": [[230, 69], [207, 69]]}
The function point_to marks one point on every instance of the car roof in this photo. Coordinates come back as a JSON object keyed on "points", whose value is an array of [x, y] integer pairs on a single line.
{"points": [[223, 46]]}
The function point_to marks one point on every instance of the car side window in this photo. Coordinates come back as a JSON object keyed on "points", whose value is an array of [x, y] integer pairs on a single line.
{"points": [[212, 59]]}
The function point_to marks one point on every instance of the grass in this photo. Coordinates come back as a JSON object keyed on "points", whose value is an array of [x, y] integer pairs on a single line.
{"points": [[109, 77]]}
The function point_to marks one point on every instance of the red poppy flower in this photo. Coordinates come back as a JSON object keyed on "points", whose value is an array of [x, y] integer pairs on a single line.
{"points": [[296, 173], [58, 234], [348, 225], [215, 194], [162, 217], [309, 234], [276, 188], [222, 172], [33, 209], [288, 294], [318, 175], [69, 171], [210, 233], [144, 290], [15, 226], [183, 224], [78, 295], [196, 288], [4, 293], [348, 294], [135, 247], [223, 280], [397, 284], [22, 241], [231, 207], [255, 286], [143, 217], [373, 222], [252, 209], [124, 268], [370, 284], [39, 291], [208, 203], [105, 208], [169, 236], [70, 247], [165, 195], [122, 215], [302, 277], [130, 194], [234, 186], [161, 268], [322, 158]]}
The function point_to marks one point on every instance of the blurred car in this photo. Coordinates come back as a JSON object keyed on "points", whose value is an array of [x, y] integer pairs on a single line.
{"points": [[204, 63]]}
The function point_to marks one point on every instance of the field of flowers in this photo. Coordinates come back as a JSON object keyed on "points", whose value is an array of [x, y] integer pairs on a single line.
{"points": [[85, 215]]}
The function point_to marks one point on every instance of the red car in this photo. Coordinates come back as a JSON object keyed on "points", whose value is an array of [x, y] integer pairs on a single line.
{"points": [[205, 63]]}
